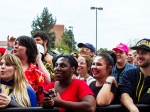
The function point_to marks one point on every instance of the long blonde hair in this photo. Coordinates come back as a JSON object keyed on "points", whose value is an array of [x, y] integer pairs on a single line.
{"points": [[20, 85]]}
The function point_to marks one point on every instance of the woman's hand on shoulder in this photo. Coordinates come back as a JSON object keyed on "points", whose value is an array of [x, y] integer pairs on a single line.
{"points": [[4, 100]]}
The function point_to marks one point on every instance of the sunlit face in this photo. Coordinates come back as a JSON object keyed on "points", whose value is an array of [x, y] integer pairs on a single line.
{"points": [[121, 56], [62, 69], [82, 66], [143, 58], [130, 57], [6, 71], [85, 51], [19, 50], [38, 40], [99, 68]]}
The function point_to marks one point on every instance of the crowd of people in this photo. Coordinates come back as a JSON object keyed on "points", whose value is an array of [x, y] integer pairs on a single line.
{"points": [[31, 76]]}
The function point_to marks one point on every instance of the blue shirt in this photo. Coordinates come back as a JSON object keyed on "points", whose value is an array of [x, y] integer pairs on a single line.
{"points": [[32, 96], [115, 73]]}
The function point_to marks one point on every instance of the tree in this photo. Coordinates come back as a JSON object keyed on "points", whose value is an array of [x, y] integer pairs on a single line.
{"points": [[68, 39], [45, 23], [132, 42], [101, 49]]}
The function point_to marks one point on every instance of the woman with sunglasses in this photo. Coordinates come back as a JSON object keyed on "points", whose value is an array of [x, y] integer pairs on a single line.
{"points": [[15, 91], [84, 69], [72, 94], [105, 86]]}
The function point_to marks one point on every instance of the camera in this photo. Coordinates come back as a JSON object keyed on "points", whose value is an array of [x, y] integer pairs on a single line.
{"points": [[51, 92]]}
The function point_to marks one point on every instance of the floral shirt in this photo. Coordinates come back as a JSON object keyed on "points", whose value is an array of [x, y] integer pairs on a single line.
{"points": [[37, 80]]}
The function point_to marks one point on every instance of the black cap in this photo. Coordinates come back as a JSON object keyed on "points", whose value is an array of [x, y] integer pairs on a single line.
{"points": [[144, 44]]}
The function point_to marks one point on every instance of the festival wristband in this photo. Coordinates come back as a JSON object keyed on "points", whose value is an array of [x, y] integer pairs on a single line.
{"points": [[106, 82]]}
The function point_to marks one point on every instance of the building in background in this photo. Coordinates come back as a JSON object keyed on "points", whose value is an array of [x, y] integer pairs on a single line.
{"points": [[57, 29]]}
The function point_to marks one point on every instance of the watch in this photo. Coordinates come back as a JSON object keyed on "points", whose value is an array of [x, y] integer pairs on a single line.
{"points": [[106, 82]]}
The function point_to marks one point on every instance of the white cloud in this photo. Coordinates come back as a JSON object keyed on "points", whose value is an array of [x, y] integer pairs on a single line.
{"points": [[119, 21]]}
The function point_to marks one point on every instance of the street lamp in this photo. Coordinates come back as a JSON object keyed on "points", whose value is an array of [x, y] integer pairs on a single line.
{"points": [[99, 8], [72, 38]]}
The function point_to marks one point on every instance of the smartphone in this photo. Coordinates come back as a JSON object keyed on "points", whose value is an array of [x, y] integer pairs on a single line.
{"points": [[52, 92], [46, 94]]}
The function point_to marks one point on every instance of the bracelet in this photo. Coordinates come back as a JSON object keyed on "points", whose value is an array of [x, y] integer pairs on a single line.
{"points": [[9, 48], [106, 82]]}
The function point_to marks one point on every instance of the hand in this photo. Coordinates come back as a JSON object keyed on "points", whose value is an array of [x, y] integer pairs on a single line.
{"points": [[57, 99], [4, 100], [10, 41], [39, 56], [112, 80], [47, 102], [48, 58]]}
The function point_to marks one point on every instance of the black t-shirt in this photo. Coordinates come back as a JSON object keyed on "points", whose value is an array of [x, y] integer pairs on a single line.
{"points": [[96, 90], [119, 71]]}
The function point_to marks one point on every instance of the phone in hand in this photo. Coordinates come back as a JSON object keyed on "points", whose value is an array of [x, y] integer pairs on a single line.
{"points": [[46, 94], [52, 92]]}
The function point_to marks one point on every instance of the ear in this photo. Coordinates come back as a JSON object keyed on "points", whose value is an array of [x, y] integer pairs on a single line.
{"points": [[72, 69], [109, 68]]}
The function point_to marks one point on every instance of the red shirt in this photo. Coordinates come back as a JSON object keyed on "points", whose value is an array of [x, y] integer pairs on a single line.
{"points": [[74, 92], [36, 79]]}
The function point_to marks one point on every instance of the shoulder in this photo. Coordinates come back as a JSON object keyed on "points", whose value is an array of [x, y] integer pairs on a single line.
{"points": [[30, 90], [128, 65], [49, 86]]}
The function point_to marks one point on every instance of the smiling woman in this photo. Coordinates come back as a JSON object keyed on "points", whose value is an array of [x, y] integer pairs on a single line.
{"points": [[15, 90], [72, 94]]}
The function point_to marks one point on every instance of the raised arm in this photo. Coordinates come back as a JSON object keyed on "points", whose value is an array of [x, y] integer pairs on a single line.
{"points": [[105, 95], [10, 44], [42, 68]]}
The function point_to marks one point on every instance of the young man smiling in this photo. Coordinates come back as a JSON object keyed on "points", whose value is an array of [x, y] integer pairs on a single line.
{"points": [[122, 65], [135, 85]]}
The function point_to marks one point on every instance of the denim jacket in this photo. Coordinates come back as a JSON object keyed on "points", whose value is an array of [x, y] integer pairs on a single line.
{"points": [[115, 74]]}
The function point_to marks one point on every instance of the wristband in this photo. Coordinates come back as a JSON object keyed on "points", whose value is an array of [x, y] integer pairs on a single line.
{"points": [[9, 48], [106, 82]]}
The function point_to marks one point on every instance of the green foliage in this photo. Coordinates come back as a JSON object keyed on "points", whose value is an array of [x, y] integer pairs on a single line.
{"points": [[68, 39], [63, 48], [45, 23], [101, 49]]}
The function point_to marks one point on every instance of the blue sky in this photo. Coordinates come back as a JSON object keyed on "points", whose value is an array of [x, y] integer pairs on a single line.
{"points": [[119, 21]]}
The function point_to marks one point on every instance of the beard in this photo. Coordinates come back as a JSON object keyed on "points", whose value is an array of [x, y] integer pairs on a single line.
{"points": [[144, 65]]}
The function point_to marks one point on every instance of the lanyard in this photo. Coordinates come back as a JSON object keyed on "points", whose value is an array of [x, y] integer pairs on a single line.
{"points": [[140, 86]]}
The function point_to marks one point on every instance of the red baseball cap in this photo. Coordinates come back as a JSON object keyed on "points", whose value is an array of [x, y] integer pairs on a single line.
{"points": [[122, 47], [2, 50]]}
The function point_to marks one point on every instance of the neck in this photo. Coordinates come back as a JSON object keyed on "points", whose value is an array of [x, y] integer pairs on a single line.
{"points": [[145, 71], [25, 64], [121, 65], [84, 75], [45, 50], [100, 81], [66, 83], [131, 62]]}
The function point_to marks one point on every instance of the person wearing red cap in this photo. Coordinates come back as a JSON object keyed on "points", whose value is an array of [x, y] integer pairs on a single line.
{"points": [[2, 51], [122, 65]]}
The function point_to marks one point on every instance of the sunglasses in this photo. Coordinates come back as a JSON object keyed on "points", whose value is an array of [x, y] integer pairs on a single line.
{"points": [[81, 63], [83, 49]]}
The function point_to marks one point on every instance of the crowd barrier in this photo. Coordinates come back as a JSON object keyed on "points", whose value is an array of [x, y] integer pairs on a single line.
{"points": [[112, 108]]}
